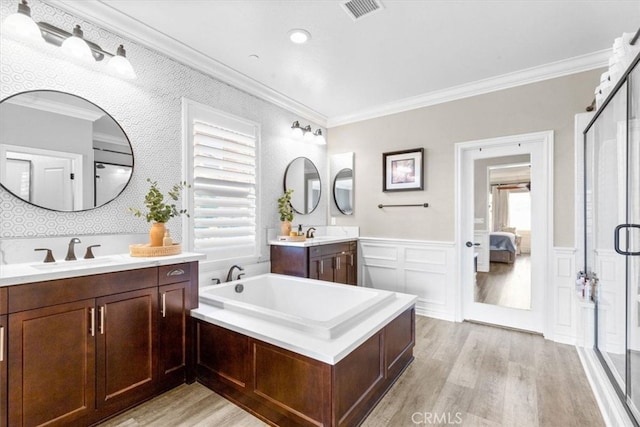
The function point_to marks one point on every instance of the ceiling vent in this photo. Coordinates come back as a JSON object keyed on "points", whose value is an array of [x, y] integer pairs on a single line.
{"points": [[356, 9]]}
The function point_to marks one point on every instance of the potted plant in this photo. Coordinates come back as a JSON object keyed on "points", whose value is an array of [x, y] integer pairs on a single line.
{"points": [[286, 212], [159, 211]]}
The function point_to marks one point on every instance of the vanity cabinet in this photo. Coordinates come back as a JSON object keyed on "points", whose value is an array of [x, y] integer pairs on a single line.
{"points": [[84, 348], [3, 357], [334, 262], [174, 324]]}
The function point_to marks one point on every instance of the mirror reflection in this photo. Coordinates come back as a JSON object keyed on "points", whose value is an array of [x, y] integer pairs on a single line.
{"points": [[343, 191], [62, 152], [502, 203], [302, 176]]}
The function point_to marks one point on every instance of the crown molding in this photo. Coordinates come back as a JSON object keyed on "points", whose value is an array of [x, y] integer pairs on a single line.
{"points": [[519, 78], [110, 19], [105, 16]]}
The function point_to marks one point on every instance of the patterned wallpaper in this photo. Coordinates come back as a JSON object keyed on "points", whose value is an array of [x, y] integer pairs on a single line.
{"points": [[149, 111]]}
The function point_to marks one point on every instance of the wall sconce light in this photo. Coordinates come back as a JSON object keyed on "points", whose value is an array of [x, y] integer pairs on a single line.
{"points": [[21, 25], [306, 133]]}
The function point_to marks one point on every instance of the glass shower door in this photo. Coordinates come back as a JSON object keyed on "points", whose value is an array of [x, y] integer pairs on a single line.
{"points": [[633, 237], [606, 208]]}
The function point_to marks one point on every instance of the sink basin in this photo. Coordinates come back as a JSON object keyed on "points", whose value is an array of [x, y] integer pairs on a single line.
{"points": [[71, 265]]}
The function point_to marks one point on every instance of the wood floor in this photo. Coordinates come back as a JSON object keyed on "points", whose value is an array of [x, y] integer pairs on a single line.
{"points": [[463, 374], [507, 285]]}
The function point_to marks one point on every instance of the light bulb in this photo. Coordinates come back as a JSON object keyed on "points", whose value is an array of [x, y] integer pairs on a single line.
{"points": [[319, 138], [296, 130], [308, 135], [21, 25], [76, 47], [120, 65]]}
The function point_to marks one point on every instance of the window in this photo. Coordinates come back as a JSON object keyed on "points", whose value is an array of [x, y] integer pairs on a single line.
{"points": [[520, 210], [221, 164]]}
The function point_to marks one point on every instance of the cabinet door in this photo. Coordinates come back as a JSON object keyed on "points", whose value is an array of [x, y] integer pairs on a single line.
{"points": [[322, 268], [52, 364], [172, 358], [126, 340], [3, 371], [340, 274]]}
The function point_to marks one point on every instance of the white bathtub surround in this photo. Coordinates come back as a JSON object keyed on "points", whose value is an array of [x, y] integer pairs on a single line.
{"points": [[21, 250], [353, 314], [14, 274]]}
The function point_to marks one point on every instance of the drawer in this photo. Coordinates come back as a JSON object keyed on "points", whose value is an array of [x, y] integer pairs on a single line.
{"points": [[3, 300], [174, 273]]}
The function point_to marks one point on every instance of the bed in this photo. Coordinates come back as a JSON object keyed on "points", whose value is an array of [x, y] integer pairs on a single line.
{"points": [[503, 246]]}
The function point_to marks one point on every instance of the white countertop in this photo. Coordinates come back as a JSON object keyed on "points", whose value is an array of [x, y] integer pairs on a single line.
{"points": [[329, 351], [15, 274], [316, 241]]}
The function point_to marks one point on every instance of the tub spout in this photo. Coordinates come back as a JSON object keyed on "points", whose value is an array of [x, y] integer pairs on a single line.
{"points": [[230, 274]]}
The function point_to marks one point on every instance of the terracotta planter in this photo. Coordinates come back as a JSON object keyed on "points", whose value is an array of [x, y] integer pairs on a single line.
{"points": [[156, 234], [285, 228]]}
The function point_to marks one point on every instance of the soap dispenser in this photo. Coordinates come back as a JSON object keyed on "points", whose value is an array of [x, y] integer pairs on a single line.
{"points": [[300, 230], [167, 241]]}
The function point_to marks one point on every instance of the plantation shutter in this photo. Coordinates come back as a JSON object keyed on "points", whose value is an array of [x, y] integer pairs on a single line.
{"points": [[224, 191]]}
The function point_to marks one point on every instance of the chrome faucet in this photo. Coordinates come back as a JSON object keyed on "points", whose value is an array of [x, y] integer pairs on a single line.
{"points": [[230, 274], [310, 232], [71, 255]]}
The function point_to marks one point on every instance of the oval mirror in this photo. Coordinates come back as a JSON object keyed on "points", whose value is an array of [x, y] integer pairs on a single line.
{"points": [[302, 176], [62, 152], [343, 191]]}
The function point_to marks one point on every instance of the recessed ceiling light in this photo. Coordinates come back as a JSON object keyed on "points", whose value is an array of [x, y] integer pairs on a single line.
{"points": [[299, 36], [254, 57]]}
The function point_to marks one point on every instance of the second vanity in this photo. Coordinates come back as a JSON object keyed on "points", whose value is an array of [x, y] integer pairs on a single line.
{"points": [[334, 259], [80, 342]]}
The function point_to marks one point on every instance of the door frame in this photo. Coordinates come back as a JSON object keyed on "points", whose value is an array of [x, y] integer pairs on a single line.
{"points": [[543, 143]]}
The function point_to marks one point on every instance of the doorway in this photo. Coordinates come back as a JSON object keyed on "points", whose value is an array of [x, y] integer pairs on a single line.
{"points": [[476, 248]]}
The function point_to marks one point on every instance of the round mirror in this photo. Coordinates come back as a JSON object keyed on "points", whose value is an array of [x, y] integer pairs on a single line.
{"points": [[343, 191], [62, 152], [302, 176]]}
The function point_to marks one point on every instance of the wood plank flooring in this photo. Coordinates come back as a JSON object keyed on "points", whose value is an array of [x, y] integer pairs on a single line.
{"points": [[507, 285], [463, 374]]}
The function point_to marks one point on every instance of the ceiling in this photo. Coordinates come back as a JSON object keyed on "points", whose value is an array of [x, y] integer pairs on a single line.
{"points": [[409, 54]]}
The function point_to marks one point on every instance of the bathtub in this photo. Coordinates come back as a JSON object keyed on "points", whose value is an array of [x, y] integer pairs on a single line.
{"points": [[298, 351], [323, 309]]}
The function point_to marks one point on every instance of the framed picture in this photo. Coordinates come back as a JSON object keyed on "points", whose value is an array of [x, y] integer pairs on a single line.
{"points": [[403, 170]]}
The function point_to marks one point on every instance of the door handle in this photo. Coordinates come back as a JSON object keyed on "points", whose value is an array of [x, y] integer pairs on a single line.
{"points": [[470, 244], [92, 327], [164, 304], [1, 343], [616, 239], [101, 326]]}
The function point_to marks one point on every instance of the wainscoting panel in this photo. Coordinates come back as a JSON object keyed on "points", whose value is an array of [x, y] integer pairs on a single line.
{"points": [[562, 299], [422, 268]]}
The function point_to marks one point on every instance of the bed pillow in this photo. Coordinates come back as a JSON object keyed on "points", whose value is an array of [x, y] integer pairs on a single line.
{"points": [[509, 229]]}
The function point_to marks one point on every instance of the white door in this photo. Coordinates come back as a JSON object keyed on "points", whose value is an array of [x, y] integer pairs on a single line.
{"points": [[52, 183], [538, 146]]}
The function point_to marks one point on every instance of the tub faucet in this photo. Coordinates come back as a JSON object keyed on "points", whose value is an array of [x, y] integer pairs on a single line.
{"points": [[230, 274], [310, 232], [71, 255]]}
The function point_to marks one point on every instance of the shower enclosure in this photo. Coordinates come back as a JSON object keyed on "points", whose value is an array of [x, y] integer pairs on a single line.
{"points": [[612, 234]]}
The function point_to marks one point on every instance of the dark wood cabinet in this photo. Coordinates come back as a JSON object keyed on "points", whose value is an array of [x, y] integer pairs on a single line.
{"points": [[3, 357], [334, 262], [84, 348], [174, 323], [126, 348], [52, 364]]}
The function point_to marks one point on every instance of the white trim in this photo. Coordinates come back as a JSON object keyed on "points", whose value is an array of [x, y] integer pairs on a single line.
{"points": [[518, 78], [611, 408], [109, 18], [542, 161]]}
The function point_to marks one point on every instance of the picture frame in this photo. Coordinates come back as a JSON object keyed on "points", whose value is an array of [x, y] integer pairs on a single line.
{"points": [[403, 170]]}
